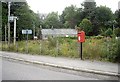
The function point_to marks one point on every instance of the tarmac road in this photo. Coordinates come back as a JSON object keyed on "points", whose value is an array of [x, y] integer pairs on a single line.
{"points": [[15, 70]]}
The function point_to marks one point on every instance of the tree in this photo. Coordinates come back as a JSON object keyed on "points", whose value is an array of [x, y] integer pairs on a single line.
{"points": [[87, 26], [89, 12], [4, 18], [117, 17], [70, 16], [89, 7], [99, 16], [103, 15], [25, 15], [52, 20]]}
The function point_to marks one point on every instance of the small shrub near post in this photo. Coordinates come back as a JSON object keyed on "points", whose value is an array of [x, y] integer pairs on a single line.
{"points": [[117, 32], [108, 32]]}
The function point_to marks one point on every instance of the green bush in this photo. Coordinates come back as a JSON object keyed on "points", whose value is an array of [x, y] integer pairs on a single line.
{"points": [[99, 37], [87, 26], [112, 52], [117, 32], [73, 38], [4, 47], [87, 37], [108, 32], [52, 42], [117, 58], [92, 49]]}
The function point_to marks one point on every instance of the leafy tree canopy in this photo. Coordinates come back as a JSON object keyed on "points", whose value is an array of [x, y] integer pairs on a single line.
{"points": [[52, 20], [87, 26]]}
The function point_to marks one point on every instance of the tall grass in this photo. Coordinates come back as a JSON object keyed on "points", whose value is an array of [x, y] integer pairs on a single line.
{"points": [[105, 49]]}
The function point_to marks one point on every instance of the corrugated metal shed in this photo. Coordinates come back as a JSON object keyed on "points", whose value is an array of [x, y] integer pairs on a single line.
{"points": [[59, 31]]}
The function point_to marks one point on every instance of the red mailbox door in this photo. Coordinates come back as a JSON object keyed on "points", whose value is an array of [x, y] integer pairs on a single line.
{"points": [[81, 36]]}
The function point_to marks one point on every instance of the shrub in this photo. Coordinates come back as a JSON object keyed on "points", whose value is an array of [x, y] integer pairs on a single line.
{"points": [[117, 32], [87, 26], [52, 42], [99, 37], [118, 51], [64, 49], [92, 49], [112, 51], [73, 37], [87, 37], [108, 32]]}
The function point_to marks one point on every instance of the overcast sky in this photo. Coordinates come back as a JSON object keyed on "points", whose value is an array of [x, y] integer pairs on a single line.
{"points": [[47, 6]]}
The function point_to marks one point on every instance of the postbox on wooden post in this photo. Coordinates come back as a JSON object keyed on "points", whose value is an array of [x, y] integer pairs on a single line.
{"points": [[81, 39], [81, 36]]}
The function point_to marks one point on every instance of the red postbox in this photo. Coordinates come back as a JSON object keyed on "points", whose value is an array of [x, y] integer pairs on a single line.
{"points": [[81, 36]]}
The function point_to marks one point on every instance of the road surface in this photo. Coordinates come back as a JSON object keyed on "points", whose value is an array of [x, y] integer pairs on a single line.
{"points": [[14, 70]]}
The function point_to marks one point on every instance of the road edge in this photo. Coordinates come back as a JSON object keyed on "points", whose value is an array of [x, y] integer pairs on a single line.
{"points": [[65, 67]]}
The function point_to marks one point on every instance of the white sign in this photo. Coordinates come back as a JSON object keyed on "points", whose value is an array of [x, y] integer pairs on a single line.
{"points": [[26, 31], [79, 38], [67, 35], [11, 18]]}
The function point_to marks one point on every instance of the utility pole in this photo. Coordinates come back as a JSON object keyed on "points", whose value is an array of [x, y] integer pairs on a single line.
{"points": [[9, 23], [34, 30], [114, 22], [40, 39], [5, 33], [14, 30], [40, 32]]}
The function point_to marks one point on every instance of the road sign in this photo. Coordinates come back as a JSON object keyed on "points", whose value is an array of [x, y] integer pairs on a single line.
{"points": [[11, 18], [81, 36], [26, 31]]}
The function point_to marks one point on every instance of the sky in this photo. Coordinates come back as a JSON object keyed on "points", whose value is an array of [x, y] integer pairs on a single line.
{"points": [[47, 6]]}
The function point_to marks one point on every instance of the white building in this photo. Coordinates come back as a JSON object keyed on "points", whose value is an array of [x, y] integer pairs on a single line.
{"points": [[58, 33], [89, 0]]}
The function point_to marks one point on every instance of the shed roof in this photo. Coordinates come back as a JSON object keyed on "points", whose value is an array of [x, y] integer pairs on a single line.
{"points": [[58, 31]]}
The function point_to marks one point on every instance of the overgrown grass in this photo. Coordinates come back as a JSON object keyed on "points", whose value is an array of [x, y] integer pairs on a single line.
{"points": [[103, 49]]}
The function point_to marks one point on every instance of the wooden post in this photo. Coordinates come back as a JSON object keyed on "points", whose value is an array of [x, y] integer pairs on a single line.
{"points": [[81, 50]]}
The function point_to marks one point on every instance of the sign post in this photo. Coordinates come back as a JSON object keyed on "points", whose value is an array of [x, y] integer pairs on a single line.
{"points": [[81, 39], [13, 19], [27, 32], [27, 41]]}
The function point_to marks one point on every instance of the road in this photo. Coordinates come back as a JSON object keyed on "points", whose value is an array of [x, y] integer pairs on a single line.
{"points": [[14, 70]]}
